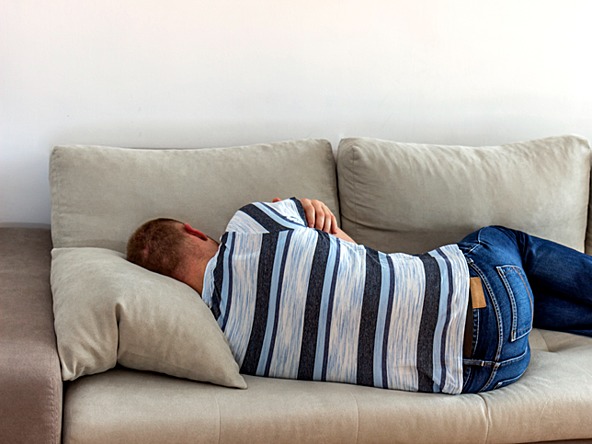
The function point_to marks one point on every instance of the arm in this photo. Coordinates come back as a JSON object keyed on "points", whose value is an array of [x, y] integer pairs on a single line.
{"points": [[342, 235], [319, 216], [30, 376]]}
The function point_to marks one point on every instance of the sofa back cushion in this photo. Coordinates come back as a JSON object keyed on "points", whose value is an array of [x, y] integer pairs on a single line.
{"points": [[100, 194], [413, 197]]}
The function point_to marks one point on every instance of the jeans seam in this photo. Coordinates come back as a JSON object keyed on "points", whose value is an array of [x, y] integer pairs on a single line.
{"points": [[494, 368], [497, 364], [512, 361], [467, 377], [499, 321], [491, 378], [476, 323], [473, 248]]}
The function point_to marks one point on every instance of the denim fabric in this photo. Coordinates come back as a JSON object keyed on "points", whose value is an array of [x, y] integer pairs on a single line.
{"points": [[526, 281]]}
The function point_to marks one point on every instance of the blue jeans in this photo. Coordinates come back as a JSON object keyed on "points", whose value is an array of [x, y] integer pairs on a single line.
{"points": [[527, 281]]}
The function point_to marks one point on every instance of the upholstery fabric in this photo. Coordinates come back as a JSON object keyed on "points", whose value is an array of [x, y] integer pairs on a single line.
{"points": [[30, 380], [108, 310], [100, 195], [412, 197], [161, 409]]}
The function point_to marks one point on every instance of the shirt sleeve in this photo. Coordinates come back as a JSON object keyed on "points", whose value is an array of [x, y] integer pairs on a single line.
{"points": [[267, 217]]}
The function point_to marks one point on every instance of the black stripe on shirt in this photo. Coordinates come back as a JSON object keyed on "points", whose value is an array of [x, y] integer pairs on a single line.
{"points": [[218, 277], [312, 307], [368, 319], [387, 326], [278, 297], [301, 211], [264, 272], [429, 319], [263, 218], [232, 241]]}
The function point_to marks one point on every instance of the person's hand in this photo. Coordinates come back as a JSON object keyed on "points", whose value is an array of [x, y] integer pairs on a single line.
{"points": [[319, 216]]}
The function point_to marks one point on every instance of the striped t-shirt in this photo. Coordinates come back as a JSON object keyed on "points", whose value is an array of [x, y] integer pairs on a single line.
{"points": [[295, 302]]}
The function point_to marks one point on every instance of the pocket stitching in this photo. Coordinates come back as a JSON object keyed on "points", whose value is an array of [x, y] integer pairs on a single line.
{"points": [[516, 333]]}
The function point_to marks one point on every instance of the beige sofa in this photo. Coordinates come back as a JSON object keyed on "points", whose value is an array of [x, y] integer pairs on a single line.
{"points": [[140, 355]]}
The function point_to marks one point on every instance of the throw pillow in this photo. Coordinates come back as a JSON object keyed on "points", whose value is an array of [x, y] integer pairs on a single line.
{"points": [[108, 311]]}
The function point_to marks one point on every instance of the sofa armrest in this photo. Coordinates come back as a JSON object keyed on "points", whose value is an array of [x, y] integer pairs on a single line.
{"points": [[30, 378]]}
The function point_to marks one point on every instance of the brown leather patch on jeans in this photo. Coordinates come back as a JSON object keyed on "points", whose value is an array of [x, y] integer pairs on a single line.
{"points": [[477, 295]]}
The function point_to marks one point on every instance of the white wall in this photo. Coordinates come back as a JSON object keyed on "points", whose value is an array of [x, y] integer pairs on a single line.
{"points": [[195, 73]]}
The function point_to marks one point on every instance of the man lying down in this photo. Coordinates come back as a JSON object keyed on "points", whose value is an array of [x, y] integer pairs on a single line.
{"points": [[297, 298]]}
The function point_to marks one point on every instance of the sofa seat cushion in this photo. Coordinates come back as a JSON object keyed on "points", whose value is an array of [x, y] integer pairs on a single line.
{"points": [[413, 197], [548, 403]]}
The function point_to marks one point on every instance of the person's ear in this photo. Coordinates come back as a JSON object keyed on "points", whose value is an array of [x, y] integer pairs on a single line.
{"points": [[194, 232]]}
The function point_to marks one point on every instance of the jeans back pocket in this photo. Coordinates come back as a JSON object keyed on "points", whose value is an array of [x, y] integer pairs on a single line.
{"points": [[520, 296]]}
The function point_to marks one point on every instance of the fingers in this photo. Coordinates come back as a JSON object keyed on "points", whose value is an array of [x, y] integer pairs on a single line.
{"points": [[319, 216], [309, 211]]}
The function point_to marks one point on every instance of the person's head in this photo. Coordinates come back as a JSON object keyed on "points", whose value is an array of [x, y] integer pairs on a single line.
{"points": [[171, 248]]}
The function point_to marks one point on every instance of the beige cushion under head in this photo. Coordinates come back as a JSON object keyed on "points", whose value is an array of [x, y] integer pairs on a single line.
{"points": [[412, 197], [108, 311], [100, 195]]}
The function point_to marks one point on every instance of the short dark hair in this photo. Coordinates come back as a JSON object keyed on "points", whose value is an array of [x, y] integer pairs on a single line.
{"points": [[157, 245]]}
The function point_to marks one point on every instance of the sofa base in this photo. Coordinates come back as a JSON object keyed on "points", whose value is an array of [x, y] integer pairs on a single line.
{"points": [[547, 404], [30, 377]]}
